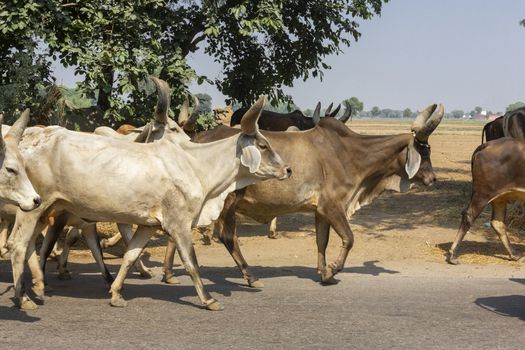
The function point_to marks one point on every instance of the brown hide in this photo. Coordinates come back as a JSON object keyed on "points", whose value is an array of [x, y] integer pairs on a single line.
{"points": [[498, 176], [512, 124], [336, 171]]}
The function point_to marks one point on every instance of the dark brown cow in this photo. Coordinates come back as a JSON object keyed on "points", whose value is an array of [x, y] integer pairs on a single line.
{"points": [[498, 176], [336, 171], [274, 121], [512, 124]]}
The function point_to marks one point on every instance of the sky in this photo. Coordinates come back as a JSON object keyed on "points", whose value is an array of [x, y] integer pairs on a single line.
{"points": [[462, 53]]}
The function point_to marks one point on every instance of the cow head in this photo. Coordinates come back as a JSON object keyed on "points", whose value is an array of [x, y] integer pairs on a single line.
{"points": [[418, 165], [256, 153], [15, 186]]}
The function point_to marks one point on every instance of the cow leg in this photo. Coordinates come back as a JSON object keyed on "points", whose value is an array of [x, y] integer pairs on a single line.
{"points": [[468, 216], [4, 232], [183, 241], [37, 273], [497, 222], [322, 234], [91, 235], [50, 238], [23, 234], [339, 221], [272, 233], [167, 267], [135, 247], [126, 233], [228, 236], [111, 241], [72, 236]]}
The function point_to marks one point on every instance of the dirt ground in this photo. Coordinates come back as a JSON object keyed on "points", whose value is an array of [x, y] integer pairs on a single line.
{"points": [[407, 229]]}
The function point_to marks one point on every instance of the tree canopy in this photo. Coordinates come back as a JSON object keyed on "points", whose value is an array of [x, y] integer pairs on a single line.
{"points": [[357, 105], [115, 45], [514, 106]]}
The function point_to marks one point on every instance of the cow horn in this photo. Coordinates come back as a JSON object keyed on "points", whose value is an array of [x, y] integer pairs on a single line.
{"points": [[251, 117], [189, 125], [144, 134], [347, 114], [163, 100], [334, 113], [19, 126], [327, 112], [183, 114], [427, 121], [317, 113]]}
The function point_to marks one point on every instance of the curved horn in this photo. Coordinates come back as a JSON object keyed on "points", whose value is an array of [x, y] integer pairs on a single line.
{"points": [[347, 114], [327, 112], [189, 125], [144, 134], [317, 113], [251, 117], [19, 126], [427, 121], [334, 113], [183, 114], [163, 100]]}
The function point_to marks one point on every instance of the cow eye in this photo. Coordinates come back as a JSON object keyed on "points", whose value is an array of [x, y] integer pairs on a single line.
{"points": [[11, 170], [262, 146]]}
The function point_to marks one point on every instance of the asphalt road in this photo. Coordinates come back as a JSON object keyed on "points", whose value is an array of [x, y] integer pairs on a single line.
{"points": [[375, 306]]}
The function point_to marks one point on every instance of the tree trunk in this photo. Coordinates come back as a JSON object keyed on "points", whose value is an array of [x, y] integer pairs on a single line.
{"points": [[103, 96]]}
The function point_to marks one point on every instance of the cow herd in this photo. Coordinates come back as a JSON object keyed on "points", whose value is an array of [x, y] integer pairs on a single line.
{"points": [[52, 177]]}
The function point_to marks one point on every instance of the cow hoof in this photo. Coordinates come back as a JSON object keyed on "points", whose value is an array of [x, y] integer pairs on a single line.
{"points": [[329, 281], [147, 273], [452, 260], [214, 305], [171, 280], [39, 293], [64, 276], [516, 257], [118, 301], [273, 235], [28, 304], [256, 284]]}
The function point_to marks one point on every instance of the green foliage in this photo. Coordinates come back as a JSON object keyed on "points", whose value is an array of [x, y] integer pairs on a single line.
{"points": [[407, 113], [205, 103], [206, 121], [457, 113], [357, 106], [262, 45], [514, 106]]}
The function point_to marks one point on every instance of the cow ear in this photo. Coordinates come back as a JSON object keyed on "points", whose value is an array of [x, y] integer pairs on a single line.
{"points": [[250, 155], [413, 161]]}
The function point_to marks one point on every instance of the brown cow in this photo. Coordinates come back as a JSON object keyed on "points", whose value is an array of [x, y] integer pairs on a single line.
{"points": [[498, 176], [274, 121], [332, 187], [512, 124]]}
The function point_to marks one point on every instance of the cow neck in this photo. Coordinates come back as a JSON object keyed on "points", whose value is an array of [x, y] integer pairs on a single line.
{"points": [[216, 163], [382, 151]]}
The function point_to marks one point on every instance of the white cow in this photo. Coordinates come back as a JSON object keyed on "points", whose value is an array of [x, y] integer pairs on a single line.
{"points": [[177, 184]]}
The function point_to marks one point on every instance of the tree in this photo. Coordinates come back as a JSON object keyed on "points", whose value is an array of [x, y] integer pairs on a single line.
{"points": [[376, 111], [357, 106], [514, 106], [457, 113], [478, 109], [205, 103], [522, 23], [407, 113], [262, 45]]}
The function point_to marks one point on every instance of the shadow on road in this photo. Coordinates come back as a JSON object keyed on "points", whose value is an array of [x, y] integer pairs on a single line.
{"points": [[14, 314], [509, 305]]}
